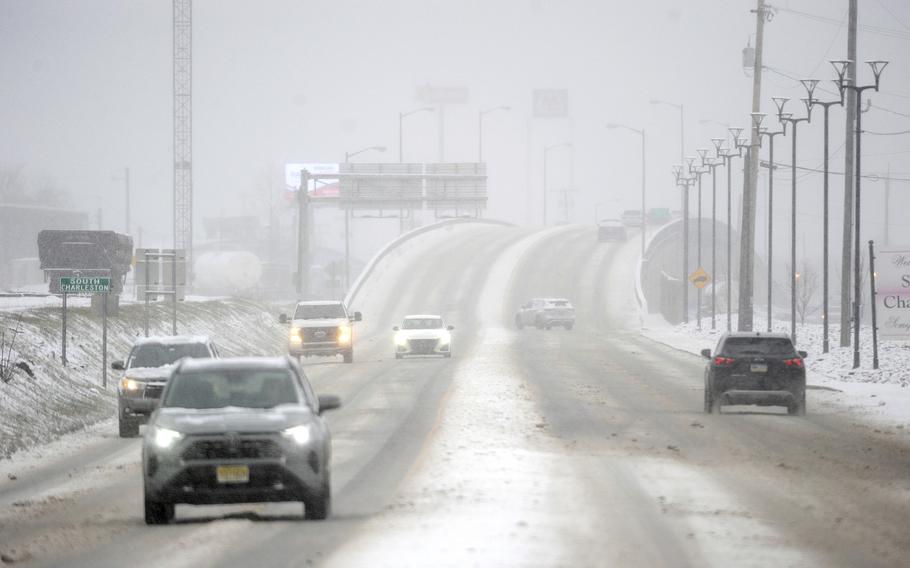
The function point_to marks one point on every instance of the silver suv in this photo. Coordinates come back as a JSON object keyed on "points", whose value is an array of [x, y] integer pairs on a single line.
{"points": [[544, 313], [238, 430], [146, 371]]}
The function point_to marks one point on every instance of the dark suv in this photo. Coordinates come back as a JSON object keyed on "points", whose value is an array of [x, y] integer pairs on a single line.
{"points": [[764, 369]]}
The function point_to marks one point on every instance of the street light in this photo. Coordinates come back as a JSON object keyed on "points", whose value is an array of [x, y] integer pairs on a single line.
{"points": [[347, 219], [546, 152], [684, 182], [480, 114], [682, 127], [698, 171], [728, 154], [712, 165], [788, 118], [841, 68], [401, 117], [810, 85], [770, 135], [644, 220]]}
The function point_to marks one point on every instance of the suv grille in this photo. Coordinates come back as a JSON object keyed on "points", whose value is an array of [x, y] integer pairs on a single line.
{"points": [[153, 391], [423, 345], [227, 449], [319, 334]]}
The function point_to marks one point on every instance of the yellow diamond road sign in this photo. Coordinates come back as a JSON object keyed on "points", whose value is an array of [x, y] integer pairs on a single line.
{"points": [[699, 278]]}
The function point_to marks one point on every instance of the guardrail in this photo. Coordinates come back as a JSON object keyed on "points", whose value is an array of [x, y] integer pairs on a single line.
{"points": [[403, 238]]}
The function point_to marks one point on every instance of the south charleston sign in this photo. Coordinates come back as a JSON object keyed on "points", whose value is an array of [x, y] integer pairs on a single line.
{"points": [[892, 296], [84, 284]]}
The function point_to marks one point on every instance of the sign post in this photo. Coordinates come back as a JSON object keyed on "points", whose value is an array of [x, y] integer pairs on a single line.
{"points": [[78, 284]]}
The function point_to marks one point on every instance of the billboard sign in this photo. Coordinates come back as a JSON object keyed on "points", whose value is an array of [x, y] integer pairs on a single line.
{"points": [[892, 294], [550, 103], [316, 187]]}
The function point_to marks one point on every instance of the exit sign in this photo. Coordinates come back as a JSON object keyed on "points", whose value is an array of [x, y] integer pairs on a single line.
{"points": [[84, 284]]}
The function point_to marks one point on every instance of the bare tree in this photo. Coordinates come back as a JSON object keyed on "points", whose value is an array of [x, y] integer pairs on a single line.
{"points": [[806, 290]]}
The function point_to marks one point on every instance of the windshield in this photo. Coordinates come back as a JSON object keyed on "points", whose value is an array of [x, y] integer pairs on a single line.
{"points": [[247, 388], [159, 354], [422, 323], [758, 346], [319, 311]]}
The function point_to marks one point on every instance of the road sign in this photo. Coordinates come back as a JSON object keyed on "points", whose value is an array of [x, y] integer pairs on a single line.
{"points": [[550, 103], [892, 294], [699, 278], [84, 284]]}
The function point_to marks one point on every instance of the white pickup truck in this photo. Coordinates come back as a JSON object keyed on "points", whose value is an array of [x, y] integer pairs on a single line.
{"points": [[323, 328]]}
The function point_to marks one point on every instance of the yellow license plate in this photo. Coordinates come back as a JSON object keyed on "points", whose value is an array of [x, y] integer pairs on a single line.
{"points": [[233, 473]]}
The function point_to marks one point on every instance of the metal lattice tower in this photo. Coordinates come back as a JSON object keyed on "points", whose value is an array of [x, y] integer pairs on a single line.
{"points": [[183, 127]]}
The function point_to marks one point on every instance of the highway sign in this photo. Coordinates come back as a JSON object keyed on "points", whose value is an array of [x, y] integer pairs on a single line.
{"points": [[84, 284], [699, 278], [550, 103]]}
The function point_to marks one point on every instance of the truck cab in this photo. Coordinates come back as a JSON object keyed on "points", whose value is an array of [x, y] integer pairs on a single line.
{"points": [[322, 327]]}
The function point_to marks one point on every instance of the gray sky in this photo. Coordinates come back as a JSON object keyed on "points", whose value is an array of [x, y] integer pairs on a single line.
{"points": [[87, 90]]}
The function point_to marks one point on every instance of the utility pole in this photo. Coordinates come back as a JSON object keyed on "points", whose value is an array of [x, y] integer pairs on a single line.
{"points": [[847, 250], [747, 243]]}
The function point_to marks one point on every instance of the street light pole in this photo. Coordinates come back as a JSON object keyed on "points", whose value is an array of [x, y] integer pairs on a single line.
{"points": [[480, 114], [770, 135], [713, 165], [546, 152], [347, 220], [728, 156], [841, 68], [401, 117], [788, 118], [644, 218], [810, 85], [684, 183], [698, 171]]}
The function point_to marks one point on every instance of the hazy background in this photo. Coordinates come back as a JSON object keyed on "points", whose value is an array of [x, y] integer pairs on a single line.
{"points": [[86, 90]]}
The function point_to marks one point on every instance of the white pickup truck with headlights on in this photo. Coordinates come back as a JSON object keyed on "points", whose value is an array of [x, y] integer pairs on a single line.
{"points": [[423, 335], [322, 328]]}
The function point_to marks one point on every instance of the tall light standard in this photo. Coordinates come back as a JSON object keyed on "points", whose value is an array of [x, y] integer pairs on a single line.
{"points": [[401, 117], [810, 85], [347, 219], [684, 183], [770, 135], [788, 118], [546, 152], [713, 165], [728, 155], [841, 68], [644, 217], [480, 114], [682, 127], [697, 172]]}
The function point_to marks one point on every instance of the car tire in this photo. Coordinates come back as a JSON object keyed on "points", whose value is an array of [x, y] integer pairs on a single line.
{"points": [[398, 355], [158, 512], [799, 407], [318, 506], [569, 326], [538, 323], [447, 355], [348, 356], [127, 428], [518, 323], [710, 404]]}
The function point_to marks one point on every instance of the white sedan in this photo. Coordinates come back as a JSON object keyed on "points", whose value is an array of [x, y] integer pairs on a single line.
{"points": [[423, 335]]}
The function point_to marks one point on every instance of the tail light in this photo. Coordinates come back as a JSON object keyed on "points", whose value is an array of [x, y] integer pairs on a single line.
{"points": [[723, 361], [796, 362]]}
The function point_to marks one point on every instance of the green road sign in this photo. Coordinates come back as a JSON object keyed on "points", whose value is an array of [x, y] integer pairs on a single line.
{"points": [[84, 284]]}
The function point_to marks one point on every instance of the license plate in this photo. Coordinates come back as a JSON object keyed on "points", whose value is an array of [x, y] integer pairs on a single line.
{"points": [[233, 473], [759, 368]]}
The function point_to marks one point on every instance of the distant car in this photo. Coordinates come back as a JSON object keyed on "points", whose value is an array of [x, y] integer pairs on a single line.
{"points": [[237, 431], [146, 371], [763, 369], [323, 327], [611, 230], [544, 313], [631, 218], [423, 335]]}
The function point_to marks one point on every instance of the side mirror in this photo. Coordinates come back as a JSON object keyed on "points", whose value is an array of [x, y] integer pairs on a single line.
{"points": [[118, 366], [283, 318], [706, 353], [358, 316], [328, 402], [451, 328], [802, 354], [395, 328]]}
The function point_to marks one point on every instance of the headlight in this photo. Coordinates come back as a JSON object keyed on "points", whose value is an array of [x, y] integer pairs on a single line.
{"points": [[401, 340], [129, 384], [300, 434], [164, 438], [295, 336], [445, 338], [344, 334]]}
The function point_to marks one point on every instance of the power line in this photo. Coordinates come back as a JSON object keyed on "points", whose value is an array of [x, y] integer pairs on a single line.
{"points": [[830, 92], [896, 19], [871, 177], [887, 133], [880, 30]]}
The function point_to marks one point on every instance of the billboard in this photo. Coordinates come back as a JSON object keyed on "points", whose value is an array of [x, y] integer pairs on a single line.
{"points": [[320, 188], [550, 103], [892, 294]]}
